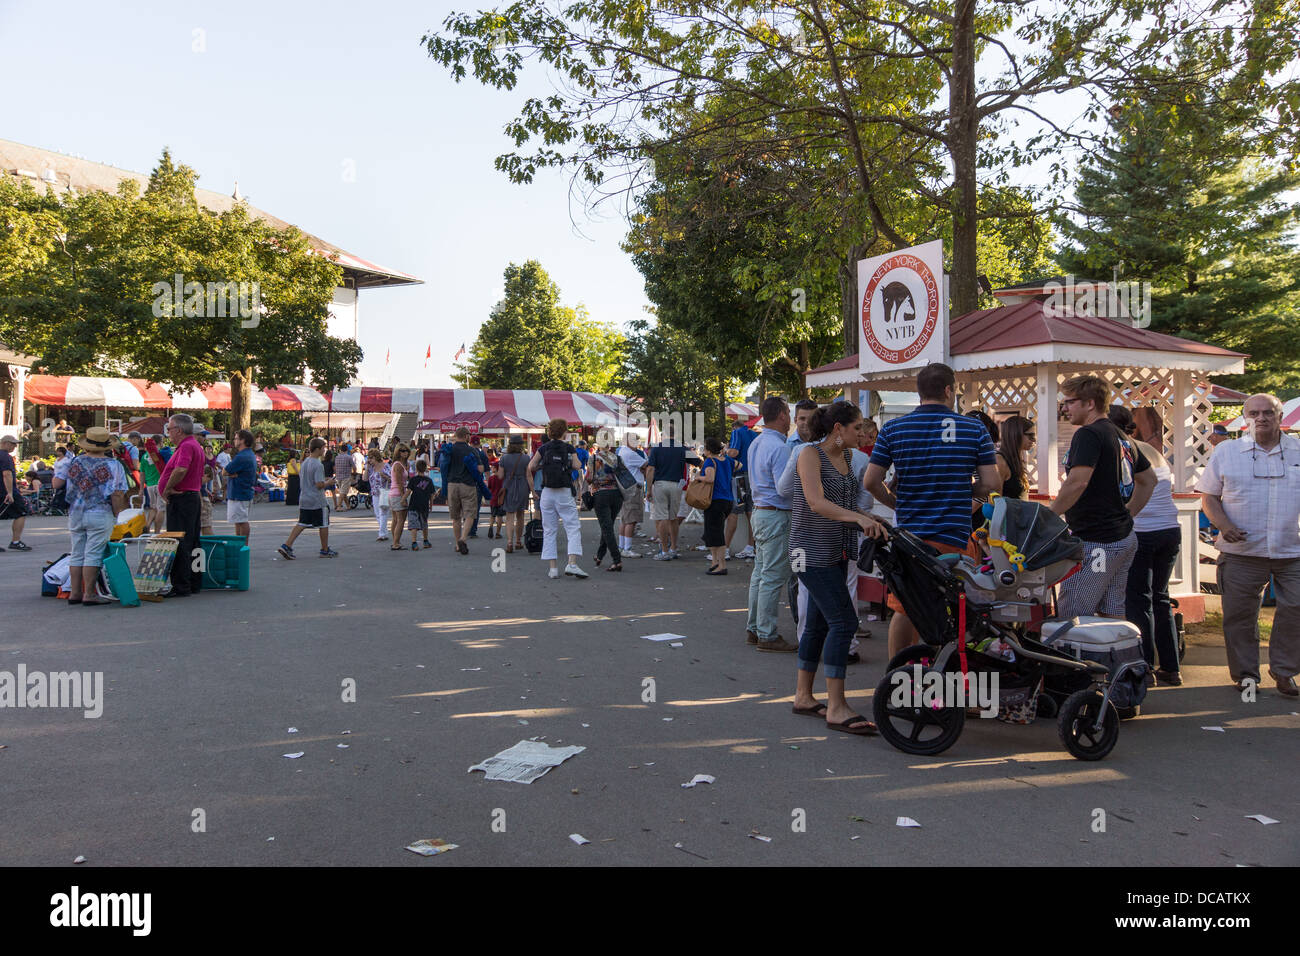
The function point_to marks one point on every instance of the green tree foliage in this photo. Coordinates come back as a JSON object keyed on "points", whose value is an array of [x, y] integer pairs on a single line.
{"points": [[80, 281], [1186, 201], [532, 341]]}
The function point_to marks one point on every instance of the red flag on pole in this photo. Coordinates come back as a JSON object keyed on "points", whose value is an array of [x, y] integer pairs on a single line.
{"points": [[460, 353], [428, 354], [387, 356]]}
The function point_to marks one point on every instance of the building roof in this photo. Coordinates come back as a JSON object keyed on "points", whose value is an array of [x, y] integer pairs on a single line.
{"points": [[1030, 333], [46, 169]]}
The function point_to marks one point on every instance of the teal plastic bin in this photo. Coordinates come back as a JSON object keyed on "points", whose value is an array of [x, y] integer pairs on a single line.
{"points": [[228, 562]]}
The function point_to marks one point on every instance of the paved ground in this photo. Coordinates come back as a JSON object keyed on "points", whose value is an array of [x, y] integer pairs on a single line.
{"points": [[449, 658]]}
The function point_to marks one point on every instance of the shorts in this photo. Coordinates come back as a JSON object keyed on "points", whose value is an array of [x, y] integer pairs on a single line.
{"points": [[90, 532], [740, 491], [151, 496], [667, 499], [16, 509], [342, 484], [684, 509], [943, 548], [237, 511], [314, 517], [417, 520], [633, 506], [205, 512]]}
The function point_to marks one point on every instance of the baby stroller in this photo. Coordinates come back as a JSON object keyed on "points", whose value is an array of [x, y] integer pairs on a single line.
{"points": [[988, 605], [360, 496]]}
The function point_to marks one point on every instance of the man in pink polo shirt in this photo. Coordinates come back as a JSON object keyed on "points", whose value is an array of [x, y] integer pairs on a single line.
{"points": [[178, 487]]}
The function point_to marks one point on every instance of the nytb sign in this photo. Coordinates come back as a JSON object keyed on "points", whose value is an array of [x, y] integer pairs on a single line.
{"points": [[904, 310]]}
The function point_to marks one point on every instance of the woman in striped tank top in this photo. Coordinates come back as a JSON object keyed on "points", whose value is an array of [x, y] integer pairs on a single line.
{"points": [[823, 540]]}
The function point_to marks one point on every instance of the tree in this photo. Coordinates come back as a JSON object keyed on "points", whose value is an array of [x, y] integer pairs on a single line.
{"points": [[664, 372], [888, 87], [153, 286], [1186, 203], [531, 341]]}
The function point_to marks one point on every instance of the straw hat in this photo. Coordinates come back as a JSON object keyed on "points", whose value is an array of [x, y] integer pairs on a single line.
{"points": [[97, 438]]}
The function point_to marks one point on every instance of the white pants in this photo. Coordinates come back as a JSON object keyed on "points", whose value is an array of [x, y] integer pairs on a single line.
{"points": [[559, 505], [381, 514]]}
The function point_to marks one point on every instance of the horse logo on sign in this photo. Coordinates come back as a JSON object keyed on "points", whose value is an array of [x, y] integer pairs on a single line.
{"points": [[900, 308]]}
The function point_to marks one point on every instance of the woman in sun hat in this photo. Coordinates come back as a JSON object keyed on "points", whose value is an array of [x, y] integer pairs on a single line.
{"points": [[96, 492]]}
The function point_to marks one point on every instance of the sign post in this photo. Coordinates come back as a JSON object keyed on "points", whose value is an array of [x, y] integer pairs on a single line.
{"points": [[903, 309]]}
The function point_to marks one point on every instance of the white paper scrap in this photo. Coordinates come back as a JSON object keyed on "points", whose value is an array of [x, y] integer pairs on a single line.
{"points": [[676, 644], [525, 761], [292, 730], [1216, 729], [699, 778], [579, 839], [759, 836], [343, 746], [663, 637], [295, 756], [1261, 818], [906, 822], [80, 859], [431, 847], [471, 668]]}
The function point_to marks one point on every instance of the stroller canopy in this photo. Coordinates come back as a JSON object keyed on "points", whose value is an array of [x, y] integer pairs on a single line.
{"points": [[1036, 532]]}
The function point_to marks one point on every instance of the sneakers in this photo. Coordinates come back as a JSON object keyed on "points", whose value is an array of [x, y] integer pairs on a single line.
{"points": [[328, 553], [553, 573], [382, 537], [701, 547], [1168, 678], [18, 546], [415, 546], [728, 554], [462, 547], [747, 554], [426, 543], [630, 554], [286, 552], [575, 571], [674, 552], [663, 556]]}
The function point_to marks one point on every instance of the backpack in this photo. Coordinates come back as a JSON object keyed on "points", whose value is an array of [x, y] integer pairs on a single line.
{"points": [[556, 470], [622, 474]]}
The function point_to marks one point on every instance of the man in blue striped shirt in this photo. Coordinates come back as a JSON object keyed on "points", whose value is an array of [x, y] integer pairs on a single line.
{"points": [[934, 453]]}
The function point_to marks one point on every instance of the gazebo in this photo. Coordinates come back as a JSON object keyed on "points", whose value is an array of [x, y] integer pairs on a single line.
{"points": [[1013, 359]]}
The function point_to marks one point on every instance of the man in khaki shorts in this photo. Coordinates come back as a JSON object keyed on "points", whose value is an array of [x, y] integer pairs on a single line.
{"points": [[633, 512], [463, 484]]}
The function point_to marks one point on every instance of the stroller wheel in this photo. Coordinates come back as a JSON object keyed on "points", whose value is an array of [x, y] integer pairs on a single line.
{"points": [[915, 730], [1047, 706], [1075, 726], [922, 654]]}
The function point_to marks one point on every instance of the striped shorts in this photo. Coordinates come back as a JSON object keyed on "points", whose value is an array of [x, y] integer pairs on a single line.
{"points": [[1098, 587]]}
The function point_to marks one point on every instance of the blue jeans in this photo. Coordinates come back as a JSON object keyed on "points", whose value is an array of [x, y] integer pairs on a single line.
{"points": [[771, 571], [1147, 595], [832, 620]]}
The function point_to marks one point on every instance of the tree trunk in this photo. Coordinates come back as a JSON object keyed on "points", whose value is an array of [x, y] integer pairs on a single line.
{"points": [[804, 363], [962, 130], [850, 317], [241, 400], [722, 407]]}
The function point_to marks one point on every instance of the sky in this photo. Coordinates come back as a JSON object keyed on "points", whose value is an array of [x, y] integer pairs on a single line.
{"points": [[333, 117]]}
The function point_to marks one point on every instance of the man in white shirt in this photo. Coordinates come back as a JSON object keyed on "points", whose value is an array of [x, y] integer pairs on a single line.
{"points": [[768, 456], [1251, 492], [633, 512]]}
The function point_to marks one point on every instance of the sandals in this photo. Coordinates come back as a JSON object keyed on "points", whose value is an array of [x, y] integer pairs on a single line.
{"points": [[714, 571], [510, 549], [818, 709], [857, 725], [614, 567], [396, 547]]}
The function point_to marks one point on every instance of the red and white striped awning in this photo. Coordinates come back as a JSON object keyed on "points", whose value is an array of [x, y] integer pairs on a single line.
{"points": [[586, 409], [742, 411], [78, 390]]}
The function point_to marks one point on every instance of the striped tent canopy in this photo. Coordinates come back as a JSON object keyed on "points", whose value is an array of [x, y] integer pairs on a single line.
{"points": [[742, 410], [78, 390], [586, 409]]}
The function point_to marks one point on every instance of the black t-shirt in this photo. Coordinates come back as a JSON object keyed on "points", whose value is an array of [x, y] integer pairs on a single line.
{"points": [[1101, 513], [7, 464], [421, 488], [669, 462]]}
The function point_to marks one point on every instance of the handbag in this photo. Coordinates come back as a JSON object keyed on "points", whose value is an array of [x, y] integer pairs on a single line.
{"points": [[588, 500], [699, 493]]}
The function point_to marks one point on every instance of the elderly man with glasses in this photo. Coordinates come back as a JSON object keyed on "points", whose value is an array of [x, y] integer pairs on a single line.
{"points": [[1251, 493], [179, 485]]}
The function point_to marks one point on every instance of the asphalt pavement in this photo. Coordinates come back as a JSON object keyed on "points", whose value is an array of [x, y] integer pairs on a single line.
{"points": [[456, 658]]}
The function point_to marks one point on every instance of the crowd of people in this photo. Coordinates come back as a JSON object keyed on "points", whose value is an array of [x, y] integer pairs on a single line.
{"points": [[809, 482]]}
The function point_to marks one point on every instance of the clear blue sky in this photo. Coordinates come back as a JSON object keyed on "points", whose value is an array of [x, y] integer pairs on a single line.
{"points": [[285, 93]]}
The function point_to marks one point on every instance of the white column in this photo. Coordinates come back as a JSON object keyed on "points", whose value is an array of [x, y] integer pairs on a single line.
{"points": [[16, 416], [1181, 437], [1049, 472]]}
